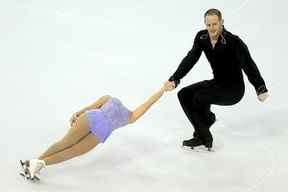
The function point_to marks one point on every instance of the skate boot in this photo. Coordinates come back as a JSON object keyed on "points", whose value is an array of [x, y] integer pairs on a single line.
{"points": [[208, 141], [208, 144], [35, 165], [32, 168], [212, 118], [25, 172], [191, 143], [195, 134]]}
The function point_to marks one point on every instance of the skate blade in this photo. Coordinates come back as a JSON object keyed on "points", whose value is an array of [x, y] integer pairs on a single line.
{"points": [[24, 168], [34, 179], [26, 173], [23, 175], [197, 149]]}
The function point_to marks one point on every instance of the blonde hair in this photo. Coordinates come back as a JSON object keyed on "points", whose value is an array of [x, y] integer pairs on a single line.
{"points": [[213, 12]]}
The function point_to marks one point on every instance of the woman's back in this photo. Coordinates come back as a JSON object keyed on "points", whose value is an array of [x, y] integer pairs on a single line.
{"points": [[115, 112]]}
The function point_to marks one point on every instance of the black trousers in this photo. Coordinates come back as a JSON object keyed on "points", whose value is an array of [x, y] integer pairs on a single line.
{"points": [[196, 101]]}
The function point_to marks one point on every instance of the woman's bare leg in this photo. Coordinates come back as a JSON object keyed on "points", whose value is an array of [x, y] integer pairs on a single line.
{"points": [[79, 130], [83, 146]]}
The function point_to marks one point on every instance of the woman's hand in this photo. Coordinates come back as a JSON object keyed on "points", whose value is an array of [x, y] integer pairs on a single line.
{"points": [[74, 118], [169, 86]]}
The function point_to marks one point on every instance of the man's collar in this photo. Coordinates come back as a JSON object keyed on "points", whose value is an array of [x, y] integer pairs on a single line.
{"points": [[221, 37]]}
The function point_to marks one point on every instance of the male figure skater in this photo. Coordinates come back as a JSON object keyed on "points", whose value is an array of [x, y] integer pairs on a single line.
{"points": [[227, 55]]}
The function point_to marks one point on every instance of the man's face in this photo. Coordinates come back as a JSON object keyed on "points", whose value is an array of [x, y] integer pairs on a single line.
{"points": [[213, 25]]}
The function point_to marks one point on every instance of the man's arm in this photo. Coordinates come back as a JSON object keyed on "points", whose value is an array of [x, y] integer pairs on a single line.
{"points": [[250, 67], [188, 62]]}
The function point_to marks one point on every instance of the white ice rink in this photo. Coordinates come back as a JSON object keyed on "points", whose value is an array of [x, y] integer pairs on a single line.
{"points": [[60, 55]]}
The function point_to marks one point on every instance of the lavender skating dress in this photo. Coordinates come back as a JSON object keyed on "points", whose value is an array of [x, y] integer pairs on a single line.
{"points": [[112, 115]]}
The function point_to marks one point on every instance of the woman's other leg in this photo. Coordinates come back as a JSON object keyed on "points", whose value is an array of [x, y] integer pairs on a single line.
{"points": [[83, 146], [79, 130]]}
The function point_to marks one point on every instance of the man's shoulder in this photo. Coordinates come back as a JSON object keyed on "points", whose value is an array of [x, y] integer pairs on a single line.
{"points": [[230, 35], [202, 34], [231, 38]]}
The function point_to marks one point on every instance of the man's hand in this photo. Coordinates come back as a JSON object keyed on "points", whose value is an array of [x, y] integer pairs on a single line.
{"points": [[263, 96], [169, 85]]}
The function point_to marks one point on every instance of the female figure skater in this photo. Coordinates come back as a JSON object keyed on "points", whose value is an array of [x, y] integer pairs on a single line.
{"points": [[89, 127]]}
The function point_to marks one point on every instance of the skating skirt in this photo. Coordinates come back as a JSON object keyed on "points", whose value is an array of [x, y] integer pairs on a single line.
{"points": [[100, 126], [112, 115]]}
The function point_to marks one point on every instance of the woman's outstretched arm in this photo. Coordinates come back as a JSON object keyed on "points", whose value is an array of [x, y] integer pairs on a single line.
{"points": [[139, 111]]}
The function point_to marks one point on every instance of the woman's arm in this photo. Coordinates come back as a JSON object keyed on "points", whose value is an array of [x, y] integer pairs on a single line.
{"points": [[139, 111], [96, 105]]}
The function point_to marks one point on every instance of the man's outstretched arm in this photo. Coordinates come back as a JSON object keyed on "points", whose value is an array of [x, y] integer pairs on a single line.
{"points": [[188, 62]]}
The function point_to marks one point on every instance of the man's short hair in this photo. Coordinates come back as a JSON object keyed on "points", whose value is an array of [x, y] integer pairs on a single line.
{"points": [[213, 12]]}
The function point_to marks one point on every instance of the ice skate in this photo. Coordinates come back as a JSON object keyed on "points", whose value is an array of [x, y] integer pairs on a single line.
{"points": [[208, 141], [196, 141], [191, 143], [25, 172], [31, 169], [208, 145]]}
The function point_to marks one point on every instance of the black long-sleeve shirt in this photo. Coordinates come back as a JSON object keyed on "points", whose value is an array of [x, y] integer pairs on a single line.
{"points": [[227, 59]]}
